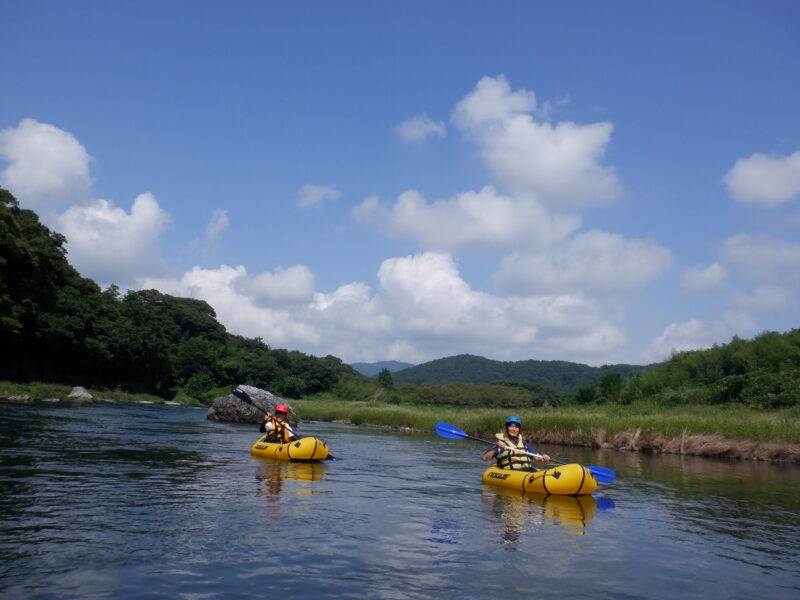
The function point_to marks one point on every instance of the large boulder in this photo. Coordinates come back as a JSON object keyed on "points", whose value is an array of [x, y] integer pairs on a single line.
{"points": [[81, 395], [234, 408]]}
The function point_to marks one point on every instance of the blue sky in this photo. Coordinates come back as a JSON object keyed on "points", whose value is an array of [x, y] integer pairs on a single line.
{"points": [[585, 181]]}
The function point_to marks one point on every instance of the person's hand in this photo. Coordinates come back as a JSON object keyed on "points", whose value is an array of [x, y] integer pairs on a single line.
{"points": [[501, 445], [266, 417], [545, 458]]}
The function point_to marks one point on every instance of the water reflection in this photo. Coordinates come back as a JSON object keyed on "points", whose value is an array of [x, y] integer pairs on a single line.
{"points": [[518, 513], [274, 474]]}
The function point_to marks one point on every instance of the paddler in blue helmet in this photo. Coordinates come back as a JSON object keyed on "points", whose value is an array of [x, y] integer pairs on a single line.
{"points": [[510, 440]]}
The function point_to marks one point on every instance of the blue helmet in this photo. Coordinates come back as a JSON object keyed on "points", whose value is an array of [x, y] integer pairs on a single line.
{"points": [[513, 420]]}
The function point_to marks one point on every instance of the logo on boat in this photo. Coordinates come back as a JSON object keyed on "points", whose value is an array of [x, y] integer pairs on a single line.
{"points": [[499, 475]]}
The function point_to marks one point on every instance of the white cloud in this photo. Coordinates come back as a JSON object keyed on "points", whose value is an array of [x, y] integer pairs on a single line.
{"points": [[237, 311], [483, 219], [47, 167], [558, 165], [593, 262], [312, 195], [761, 258], [111, 246], [765, 180], [217, 225], [765, 298], [689, 335], [282, 286], [48, 170], [422, 310], [417, 129], [369, 209], [700, 279]]}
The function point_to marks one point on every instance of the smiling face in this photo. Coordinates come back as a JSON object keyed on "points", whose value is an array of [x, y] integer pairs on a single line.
{"points": [[513, 429]]}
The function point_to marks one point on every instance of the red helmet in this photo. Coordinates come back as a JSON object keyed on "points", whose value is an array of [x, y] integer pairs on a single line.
{"points": [[282, 408]]}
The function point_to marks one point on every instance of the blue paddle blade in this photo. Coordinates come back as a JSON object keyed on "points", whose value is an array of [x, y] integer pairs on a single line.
{"points": [[604, 503], [450, 431], [602, 474]]}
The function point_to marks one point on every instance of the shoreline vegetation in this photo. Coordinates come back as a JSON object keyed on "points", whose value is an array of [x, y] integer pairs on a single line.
{"points": [[721, 432], [734, 432]]}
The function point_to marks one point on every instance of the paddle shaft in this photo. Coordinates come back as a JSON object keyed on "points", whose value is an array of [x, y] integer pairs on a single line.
{"points": [[242, 395], [510, 449], [602, 474]]}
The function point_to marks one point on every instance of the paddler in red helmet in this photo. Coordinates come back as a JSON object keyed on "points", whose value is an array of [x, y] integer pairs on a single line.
{"points": [[276, 427]]}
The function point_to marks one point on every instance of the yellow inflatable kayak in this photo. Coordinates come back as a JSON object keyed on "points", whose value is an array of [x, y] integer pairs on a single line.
{"points": [[309, 448], [564, 480]]}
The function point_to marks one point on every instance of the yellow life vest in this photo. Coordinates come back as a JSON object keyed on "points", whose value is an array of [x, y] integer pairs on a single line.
{"points": [[279, 433], [513, 460]]}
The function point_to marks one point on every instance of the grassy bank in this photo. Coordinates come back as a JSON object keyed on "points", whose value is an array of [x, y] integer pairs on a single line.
{"points": [[40, 392], [728, 431]]}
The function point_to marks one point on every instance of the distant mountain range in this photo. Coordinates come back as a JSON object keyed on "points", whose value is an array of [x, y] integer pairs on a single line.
{"points": [[559, 375], [372, 369]]}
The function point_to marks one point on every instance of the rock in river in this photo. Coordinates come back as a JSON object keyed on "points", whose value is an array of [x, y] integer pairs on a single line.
{"points": [[232, 409]]}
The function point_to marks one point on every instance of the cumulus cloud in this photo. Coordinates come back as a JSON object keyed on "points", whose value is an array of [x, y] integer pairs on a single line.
{"points": [[111, 246], [765, 180], [689, 335], [47, 167], [557, 164], [483, 219], [700, 279], [422, 309], [761, 258], [239, 312], [765, 298], [48, 171], [739, 317], [281, 286], [313, 195], [419, 128], [594, 262]]}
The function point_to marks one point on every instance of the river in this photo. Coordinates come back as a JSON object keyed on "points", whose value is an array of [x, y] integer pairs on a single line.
{"points": [[144, 501]]}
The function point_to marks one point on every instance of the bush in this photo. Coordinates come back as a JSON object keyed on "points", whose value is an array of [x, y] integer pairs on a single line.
{"points": [[198, 384]]}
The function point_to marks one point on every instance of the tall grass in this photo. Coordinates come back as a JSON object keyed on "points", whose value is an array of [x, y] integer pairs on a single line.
{"points": [[581, 425]]}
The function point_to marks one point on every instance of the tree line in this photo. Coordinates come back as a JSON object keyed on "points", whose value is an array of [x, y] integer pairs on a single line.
{"points": [[57, 326], [760, 373]]}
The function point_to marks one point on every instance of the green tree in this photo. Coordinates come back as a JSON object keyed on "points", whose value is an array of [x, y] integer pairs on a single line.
{"points": [[385, 379], [198, 384], [609, 387]]}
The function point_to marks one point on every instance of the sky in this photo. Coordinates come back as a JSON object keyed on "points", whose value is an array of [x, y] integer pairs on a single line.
{"points": [[598, 182]]}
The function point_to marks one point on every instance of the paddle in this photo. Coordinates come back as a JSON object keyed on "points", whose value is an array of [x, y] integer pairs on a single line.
{"points": [[244, 397], [602, 474]]}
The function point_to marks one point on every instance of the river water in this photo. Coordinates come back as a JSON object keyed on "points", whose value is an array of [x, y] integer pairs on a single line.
{"points": [[143, 501]]}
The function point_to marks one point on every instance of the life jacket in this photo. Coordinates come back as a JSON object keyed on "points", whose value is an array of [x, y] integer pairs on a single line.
{"points": [[513, 460], [279, 432]]}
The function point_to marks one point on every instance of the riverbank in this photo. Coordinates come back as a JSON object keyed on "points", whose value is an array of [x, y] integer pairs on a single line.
{"points": [[724, 432], [56, 393]]}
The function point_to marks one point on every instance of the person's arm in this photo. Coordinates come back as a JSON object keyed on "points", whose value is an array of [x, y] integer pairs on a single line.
{"points": [[266, 425], [290, 431], [543, 458], [491, 452]]}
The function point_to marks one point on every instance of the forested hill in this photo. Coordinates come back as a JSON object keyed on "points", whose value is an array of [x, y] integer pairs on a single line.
{"points": [[465, 368], [372, 369], [56, 326]]}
